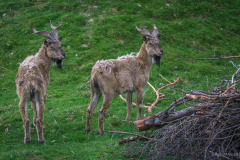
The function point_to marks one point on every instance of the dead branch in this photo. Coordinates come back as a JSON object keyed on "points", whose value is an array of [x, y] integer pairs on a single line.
{"points": [[234, 75], [209, 125], [163, 118], [126, 100], [165, 79], [156, 101], [169, 84], [227, 57], [173, 88], [157, 94]]}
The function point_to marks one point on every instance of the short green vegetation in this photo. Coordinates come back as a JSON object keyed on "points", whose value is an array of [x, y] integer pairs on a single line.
{"points": [[93, 30]]}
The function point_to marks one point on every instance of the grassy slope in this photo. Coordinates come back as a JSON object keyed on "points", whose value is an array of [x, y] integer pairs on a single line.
{"points": [[188, 29]]}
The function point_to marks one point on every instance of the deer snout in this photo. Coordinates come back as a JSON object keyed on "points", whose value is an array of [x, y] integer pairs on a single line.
{"points": [[161, 52], [63, 56]]}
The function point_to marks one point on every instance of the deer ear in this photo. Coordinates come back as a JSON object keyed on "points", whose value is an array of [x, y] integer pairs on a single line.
{"points": [[60, 38], [46, 43]]}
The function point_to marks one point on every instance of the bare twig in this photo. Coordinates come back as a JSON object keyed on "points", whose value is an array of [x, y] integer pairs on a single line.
{"points": [[227, 57], [156, 101], [126, 100], [152, 139], [68, 156], [122, 120], [10, 128], [173, 99], [54, 120], [169, 84], [234, 75], [230, 32], [152, 105], [109, 124], [157, 93], [112, 136], [12, 143], [173, 88], [233, 64], [165, 79]]}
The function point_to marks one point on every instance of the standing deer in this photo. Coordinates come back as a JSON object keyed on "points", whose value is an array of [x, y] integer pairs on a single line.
{"points": [[126, 74], [33, 78]]}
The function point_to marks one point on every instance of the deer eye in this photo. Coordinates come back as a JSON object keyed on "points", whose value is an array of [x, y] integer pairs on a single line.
{"points": [[150, 44]]}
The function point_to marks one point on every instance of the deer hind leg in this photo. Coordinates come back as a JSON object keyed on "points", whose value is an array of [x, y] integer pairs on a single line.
{"points": [[23, 107], [40, 106], [129, 105], [138, 97], [94, 101], [106, 104], [34, 112]]}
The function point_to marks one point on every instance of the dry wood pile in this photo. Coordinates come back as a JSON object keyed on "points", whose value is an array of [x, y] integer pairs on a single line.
{"points": [[208, 128]]}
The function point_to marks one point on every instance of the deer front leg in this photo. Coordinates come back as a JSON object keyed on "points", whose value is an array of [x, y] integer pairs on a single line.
{"points": [[138, 97], [40, 106], [106, 104], [23, 107], [129, 105]]}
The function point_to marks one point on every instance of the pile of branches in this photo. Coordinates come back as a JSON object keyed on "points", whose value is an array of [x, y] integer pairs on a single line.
{"points": [[208, 127]]}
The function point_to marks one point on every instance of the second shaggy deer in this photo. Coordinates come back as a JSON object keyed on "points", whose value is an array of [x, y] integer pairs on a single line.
{"points": [[126, 74], [33, 78]]}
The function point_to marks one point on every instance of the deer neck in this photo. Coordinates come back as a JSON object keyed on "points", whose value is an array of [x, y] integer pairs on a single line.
{"points": [[145, 58], [43, 58]]}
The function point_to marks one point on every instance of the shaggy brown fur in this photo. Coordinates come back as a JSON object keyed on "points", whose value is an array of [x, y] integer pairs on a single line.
{"points": [[126, 74], [32, 81]]}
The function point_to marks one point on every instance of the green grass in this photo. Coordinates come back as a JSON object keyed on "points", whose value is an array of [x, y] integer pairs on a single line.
{"points": [[188, 30]]}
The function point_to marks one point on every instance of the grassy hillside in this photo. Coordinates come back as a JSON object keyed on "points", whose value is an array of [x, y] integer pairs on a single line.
{"points": [[93, 30]]}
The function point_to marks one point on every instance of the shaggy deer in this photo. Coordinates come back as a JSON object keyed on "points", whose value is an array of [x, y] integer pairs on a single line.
{"points": [[33, 78], [126, 74]]}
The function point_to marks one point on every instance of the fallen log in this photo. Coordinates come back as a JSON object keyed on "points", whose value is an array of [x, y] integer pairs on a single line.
{"points": [[164, 118]]}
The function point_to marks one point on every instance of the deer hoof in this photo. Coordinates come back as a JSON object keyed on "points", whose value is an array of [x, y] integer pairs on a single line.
{"points": [[128, 119], [88, 130], [27, 140], [41, 141], [101, 132]]}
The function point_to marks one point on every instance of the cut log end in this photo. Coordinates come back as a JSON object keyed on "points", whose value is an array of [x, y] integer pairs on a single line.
{"points": [[140, 124]]}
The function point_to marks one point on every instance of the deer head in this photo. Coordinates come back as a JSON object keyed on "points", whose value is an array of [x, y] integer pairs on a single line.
{"points": [[53, 45], [152, 44]]}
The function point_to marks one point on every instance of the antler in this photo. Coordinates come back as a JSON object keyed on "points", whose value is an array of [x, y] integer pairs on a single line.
{"points": [[142, 31], [54, 32], [42, 33], [155, 31]]}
